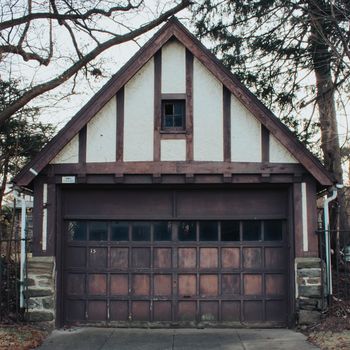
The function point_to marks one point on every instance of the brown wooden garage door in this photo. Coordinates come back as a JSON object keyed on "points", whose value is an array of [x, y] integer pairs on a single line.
{"points": [[177, 272]]}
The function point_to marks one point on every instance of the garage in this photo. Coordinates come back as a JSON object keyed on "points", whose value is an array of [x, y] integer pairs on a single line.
{"points": [[175, 197], [203, 256]]}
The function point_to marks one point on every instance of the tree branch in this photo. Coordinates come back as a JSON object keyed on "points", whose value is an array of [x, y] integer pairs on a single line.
{"points": [[27, 56], [69, 17], [118, 39]]}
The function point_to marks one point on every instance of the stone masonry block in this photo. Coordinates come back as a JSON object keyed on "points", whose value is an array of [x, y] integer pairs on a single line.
{"points": [[40, 316], [312, 272], [307, 263], [307, 317], [310, 291]]}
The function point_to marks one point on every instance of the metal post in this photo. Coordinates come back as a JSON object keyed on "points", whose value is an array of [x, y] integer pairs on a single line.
{"points": [[23, 246], [327, 240], [23, 251]]}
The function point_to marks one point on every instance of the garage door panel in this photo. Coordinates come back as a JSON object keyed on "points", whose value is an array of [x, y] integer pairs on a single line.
{"points": [[230, 284], [75, 284], [275, 285], [252, 258], [209, 311], [97, 310], [209, 285], [252, 284], [141, 258], [208, 258], [231, 310], [119, 204], [141, 285], [162, 258], [76, 257], [119, 258], [75, 310], [187, 311], [97, 284], [276, 310], [162, 285], [187, 258], [140, 310], [97, 257], [253, 311], [118, 311], [119, 284], [162, 311], [275, 257], [187, 285], [230, 258], [222, 203]]}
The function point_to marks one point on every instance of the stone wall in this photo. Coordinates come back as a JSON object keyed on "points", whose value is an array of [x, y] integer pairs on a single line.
{"points": [[40, 295], [310, 301]]}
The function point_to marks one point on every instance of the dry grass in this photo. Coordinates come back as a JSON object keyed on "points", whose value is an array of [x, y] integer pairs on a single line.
{"points": [[20, 337]]}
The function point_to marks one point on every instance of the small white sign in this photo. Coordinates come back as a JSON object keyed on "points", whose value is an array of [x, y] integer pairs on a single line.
{"points": [[68, 179]]}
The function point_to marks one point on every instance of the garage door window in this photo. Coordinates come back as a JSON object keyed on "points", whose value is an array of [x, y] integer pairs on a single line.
{"points": [[77, 230], [119, 231], [208, 231], [141, 231], [273, 230], [98, 231], [162, 231], [230, 231], [183, 231], [251, 230], [187, 231]]}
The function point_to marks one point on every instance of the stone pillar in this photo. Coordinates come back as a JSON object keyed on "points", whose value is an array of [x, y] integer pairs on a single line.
{"points": [[310, 301], [40, 294]]}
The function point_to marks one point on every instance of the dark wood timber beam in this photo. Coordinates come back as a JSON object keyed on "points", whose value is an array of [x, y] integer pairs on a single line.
{"points": [[120, 125], [227, 123], [179, 168], [157, 104], [189, 105]]}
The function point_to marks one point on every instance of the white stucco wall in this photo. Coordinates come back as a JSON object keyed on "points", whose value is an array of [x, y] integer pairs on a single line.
{"points": [[173, 68], [278, 153], [207, 115], [245, 134], [69, 153], [173, 150], [139, 115], [101, 134]]}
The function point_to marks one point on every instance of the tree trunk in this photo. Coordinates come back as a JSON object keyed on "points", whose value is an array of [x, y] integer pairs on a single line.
{"points": [[321, 58]]}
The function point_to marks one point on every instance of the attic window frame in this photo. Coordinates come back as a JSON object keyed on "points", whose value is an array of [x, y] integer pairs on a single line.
{"points": [[173, 129]]}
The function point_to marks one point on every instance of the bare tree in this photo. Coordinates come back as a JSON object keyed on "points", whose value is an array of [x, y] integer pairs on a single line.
{"points": [[68, 33]]}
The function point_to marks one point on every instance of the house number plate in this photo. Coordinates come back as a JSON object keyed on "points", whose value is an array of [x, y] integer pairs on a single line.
{"points": [[68, 179]]}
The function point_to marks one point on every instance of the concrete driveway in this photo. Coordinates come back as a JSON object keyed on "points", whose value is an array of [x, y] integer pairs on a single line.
{"points": [[169, 339]]}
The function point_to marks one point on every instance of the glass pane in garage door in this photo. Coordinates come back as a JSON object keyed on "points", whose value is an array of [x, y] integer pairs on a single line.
{"points": [[77, 230], [208, 231], [119, 231], [273, 230], [162, 231]]}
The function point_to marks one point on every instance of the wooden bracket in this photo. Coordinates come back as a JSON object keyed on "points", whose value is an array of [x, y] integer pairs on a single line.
{"points": [[118, 178], [265, 177], [227, 177], [157, 178], [189, 178]]}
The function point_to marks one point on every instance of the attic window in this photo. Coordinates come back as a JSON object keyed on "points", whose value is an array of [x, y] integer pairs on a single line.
{"points": [[173, 115]]}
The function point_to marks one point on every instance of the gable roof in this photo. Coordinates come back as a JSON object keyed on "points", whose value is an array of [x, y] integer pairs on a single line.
{"points": [[173, 28]]}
